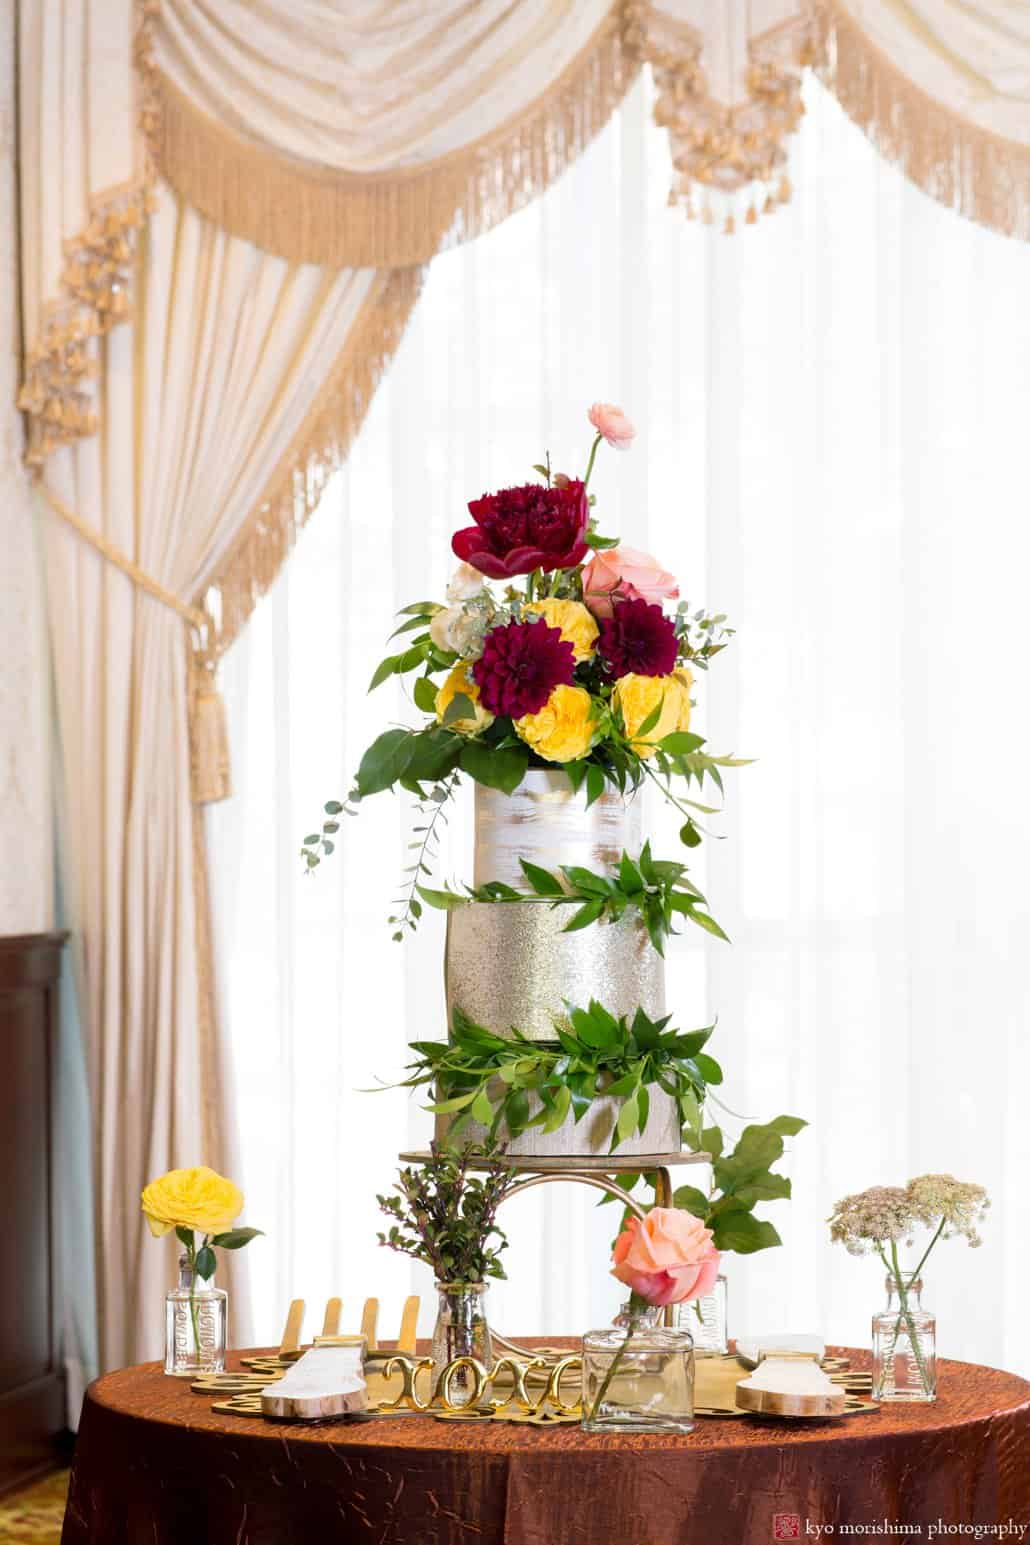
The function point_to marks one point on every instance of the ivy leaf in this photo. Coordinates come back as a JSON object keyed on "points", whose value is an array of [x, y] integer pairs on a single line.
{"points": [[456, 1102], [443, 901], [385, 761], [711, 1141], [460, 706], [482, 1109], [652, 719], [630, 877], [236, 1238], [424, 692], [384, 669], [691, 1200], [206, 1262], [516, 1112], [680, 742], [709, 924], [741, 1231], [586, 881], [709, 1069], [587, 914], [494, 768], [595, 783], [542, 881], [626, 1124]]}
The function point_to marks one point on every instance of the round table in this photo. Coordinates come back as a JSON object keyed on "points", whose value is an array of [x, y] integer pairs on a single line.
{"points": [[154, 1464]]}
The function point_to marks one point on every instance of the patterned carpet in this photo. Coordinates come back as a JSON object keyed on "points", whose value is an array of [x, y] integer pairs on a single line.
{"points": [[34, 1516]]}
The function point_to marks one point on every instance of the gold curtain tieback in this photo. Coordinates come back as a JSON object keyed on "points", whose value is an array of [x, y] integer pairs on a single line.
{"points": [[210, 776]]}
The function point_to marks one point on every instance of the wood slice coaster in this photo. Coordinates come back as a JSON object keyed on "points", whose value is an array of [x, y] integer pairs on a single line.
{"points": [[770, 1402]]}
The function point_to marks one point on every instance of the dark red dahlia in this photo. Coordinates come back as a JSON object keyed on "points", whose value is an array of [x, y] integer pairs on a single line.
{"points": [[638, 639], [520, 529], [521, 664]]}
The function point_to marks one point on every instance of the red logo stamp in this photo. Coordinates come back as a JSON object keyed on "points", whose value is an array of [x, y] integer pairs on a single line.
{"points": [[786, 1526]]}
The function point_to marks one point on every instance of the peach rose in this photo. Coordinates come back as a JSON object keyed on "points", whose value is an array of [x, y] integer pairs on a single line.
{"points": [[635, 575], [666, 1257], [613, 424]]}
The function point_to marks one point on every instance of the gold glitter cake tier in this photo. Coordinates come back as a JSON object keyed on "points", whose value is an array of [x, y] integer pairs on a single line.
{"points": [[509, 964]]}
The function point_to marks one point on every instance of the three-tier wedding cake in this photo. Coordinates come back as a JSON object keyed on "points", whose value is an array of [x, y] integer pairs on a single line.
{"points": [[557, 678]]}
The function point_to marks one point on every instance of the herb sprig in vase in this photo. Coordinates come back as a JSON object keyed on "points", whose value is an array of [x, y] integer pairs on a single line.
{"points": [[445, 1214]]}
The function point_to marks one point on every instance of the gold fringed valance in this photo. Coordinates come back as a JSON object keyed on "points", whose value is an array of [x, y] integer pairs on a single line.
{"points": [[313, 214], [981, 175]]}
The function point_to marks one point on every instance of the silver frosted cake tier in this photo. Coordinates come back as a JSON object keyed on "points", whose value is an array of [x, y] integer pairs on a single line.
{"points": [[509, 964]]}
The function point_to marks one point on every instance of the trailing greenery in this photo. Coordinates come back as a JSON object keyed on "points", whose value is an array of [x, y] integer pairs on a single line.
{"points": [[445, 1215], [657, 888], [479, 1076], [434, 757], [740, 1180]]}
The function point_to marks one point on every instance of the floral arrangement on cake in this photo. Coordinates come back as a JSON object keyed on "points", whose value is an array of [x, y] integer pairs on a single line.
{"points": [[555, 646]]}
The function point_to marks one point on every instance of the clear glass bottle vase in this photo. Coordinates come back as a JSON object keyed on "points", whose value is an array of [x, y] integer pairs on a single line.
{"points": [[904, 1345], [196, 1325], [638, 1377], [705, 1319], [461, 1330]]}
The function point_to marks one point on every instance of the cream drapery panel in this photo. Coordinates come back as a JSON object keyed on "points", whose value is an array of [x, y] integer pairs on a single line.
{"points": [[187, 397], [197, 405], [369, 138]]}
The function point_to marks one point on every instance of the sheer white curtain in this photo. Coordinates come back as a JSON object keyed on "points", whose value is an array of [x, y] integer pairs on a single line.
{"points": [[833, 413]]}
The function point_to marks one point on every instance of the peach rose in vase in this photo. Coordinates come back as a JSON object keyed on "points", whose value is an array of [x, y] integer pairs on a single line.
{"points": [[666, 1257]]}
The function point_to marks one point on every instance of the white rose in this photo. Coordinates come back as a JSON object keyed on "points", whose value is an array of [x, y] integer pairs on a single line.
{"points": [[457, 629], [465, 582]]}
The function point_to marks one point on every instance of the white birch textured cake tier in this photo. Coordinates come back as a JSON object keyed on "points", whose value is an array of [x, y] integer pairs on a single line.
{"points": [[548, 822]]}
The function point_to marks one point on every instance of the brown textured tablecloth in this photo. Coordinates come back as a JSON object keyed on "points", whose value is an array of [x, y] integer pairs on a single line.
{"points": [[155, 1466]]}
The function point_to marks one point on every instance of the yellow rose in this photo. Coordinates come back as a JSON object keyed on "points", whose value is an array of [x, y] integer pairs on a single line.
{"points": [[638, 696], [564, 729], [192, 1198], [573, 621], [460, 682]]}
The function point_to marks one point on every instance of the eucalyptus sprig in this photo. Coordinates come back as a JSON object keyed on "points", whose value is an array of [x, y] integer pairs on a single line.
{"points": [[446, 1215], [497, 1081], [657, 888]]}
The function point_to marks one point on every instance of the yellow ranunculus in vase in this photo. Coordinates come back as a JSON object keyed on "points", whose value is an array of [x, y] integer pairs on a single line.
{"points": [[573, 621], [636, 697], [197, 1198], [564, 729]]}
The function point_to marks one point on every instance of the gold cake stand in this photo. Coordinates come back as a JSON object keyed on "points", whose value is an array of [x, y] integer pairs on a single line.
{"points": [[586, 1170]]}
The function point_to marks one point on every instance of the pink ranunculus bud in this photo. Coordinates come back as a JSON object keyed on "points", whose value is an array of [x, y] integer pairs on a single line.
{"points": [[666, 1257], [613, 424], [627, 575]]}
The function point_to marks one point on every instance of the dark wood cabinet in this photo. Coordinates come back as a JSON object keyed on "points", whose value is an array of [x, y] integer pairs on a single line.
{"points": [[32, 1415]]}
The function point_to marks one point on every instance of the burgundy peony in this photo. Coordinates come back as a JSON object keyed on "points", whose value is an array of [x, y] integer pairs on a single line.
{"points": [[521, 529], [638, 640], [521, 664]]}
